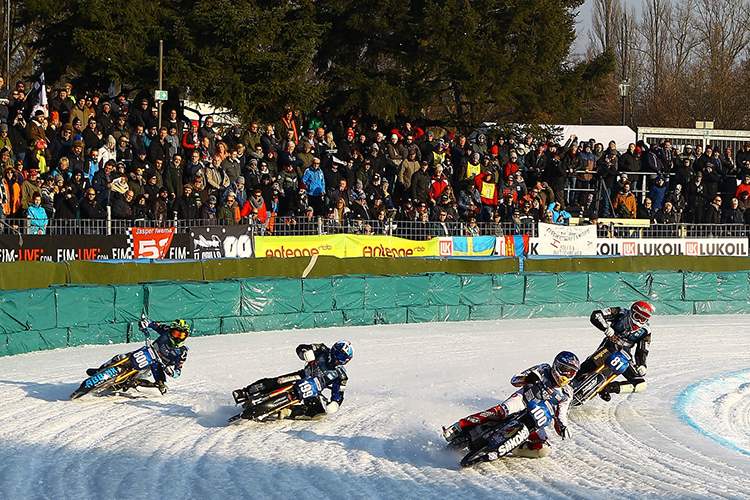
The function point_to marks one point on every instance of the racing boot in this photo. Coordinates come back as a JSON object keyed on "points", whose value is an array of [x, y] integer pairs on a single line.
{"points": [[161, 386], [604, 394], [452, 431], [240, 396]]}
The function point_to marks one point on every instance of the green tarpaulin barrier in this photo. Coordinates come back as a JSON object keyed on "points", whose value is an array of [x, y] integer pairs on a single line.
{"points": [[57, 337], [4, 345], [167, 301], [41, 305], [486, 312], [129, 302], [732, 286], [722, 307], [701, 286], [476, 289], [674, 307], [240, 324], [14, 310], [619, 287], [269, 296], [328, 319], [281, 322], [28, 341], [428, 314], [380, 292], [444, 289], [541, 288], [206, 326], [508, 288], [83, 305], [666, 285], [317, 294], [348, 292], [358, 317], [391, 316], [516, 311], [411, 290], [572, 287]]}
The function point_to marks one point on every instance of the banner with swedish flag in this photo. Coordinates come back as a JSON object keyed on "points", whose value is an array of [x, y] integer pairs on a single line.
{"points": [[474, 246]]}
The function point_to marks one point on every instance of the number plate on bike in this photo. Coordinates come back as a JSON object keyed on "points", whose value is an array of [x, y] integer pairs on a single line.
{"points": [[143, 357], [618, 362], [309, 387]]}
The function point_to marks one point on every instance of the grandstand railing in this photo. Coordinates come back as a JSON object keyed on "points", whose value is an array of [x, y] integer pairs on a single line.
{"points": [[413, 230]]}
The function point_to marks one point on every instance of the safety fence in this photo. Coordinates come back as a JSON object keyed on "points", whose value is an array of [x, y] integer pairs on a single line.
{"points": [[407, 229], [66, 316]]}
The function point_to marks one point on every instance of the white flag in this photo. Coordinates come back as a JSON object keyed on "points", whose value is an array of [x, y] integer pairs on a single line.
{"points": [[41, 87]]}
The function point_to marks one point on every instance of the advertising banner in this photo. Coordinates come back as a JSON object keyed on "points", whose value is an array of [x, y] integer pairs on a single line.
{"points": [[566, 240], [300, 246], [343, 246], [219, 242], [721, 247], [655, 247], [61, 248], [152, 242], [389, 246]]}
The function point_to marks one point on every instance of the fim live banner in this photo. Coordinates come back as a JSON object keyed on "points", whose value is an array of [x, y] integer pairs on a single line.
{"points": [[142, 243], [222, 242]]}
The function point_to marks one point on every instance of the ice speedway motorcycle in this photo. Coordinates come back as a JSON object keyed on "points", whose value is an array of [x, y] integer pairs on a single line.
{"points": [[610, 361], [492, 440], [124, 372], [262, 405]]}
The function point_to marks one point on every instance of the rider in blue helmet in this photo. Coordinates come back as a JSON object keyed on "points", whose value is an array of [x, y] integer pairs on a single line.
{"points": [[330, 362]]}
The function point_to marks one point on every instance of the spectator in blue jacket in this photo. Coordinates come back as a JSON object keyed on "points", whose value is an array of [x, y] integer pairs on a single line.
{"points": [[316, 186]]}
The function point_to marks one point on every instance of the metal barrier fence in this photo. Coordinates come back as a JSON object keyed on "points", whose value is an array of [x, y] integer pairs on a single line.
{"points": [[413, 230]]}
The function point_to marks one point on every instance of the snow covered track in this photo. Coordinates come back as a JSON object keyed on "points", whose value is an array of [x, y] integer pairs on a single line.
{"points": [[686, 436]]}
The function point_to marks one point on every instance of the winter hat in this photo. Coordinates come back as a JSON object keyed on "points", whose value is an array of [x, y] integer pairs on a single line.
{"points": [[358, 184], [211, 199], [54, 115], [678, 187], [4, 127]]}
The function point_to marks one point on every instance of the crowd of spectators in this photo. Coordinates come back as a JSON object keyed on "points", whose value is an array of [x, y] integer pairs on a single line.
{"points": [[93, 158]]}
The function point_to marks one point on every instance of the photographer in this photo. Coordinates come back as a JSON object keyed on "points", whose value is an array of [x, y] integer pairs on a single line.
{"points": [[606, 174], [19, 136]]}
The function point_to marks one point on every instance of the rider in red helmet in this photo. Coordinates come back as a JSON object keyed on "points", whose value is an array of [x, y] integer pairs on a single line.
{"points": [[624, 328]]}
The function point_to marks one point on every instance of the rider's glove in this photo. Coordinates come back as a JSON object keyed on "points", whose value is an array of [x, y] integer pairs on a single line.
{"points": [[609, 332], [308, 355], [562, 430], [641, 370], [143, 324], [532, 378], [332, 407]]}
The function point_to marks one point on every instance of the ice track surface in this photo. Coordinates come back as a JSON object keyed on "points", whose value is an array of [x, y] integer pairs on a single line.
{"points": [[687, 436]]}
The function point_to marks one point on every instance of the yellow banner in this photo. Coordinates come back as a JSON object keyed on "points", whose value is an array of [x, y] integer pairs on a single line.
{"points": [[300, 246], [343, 245], [388, 246]]}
